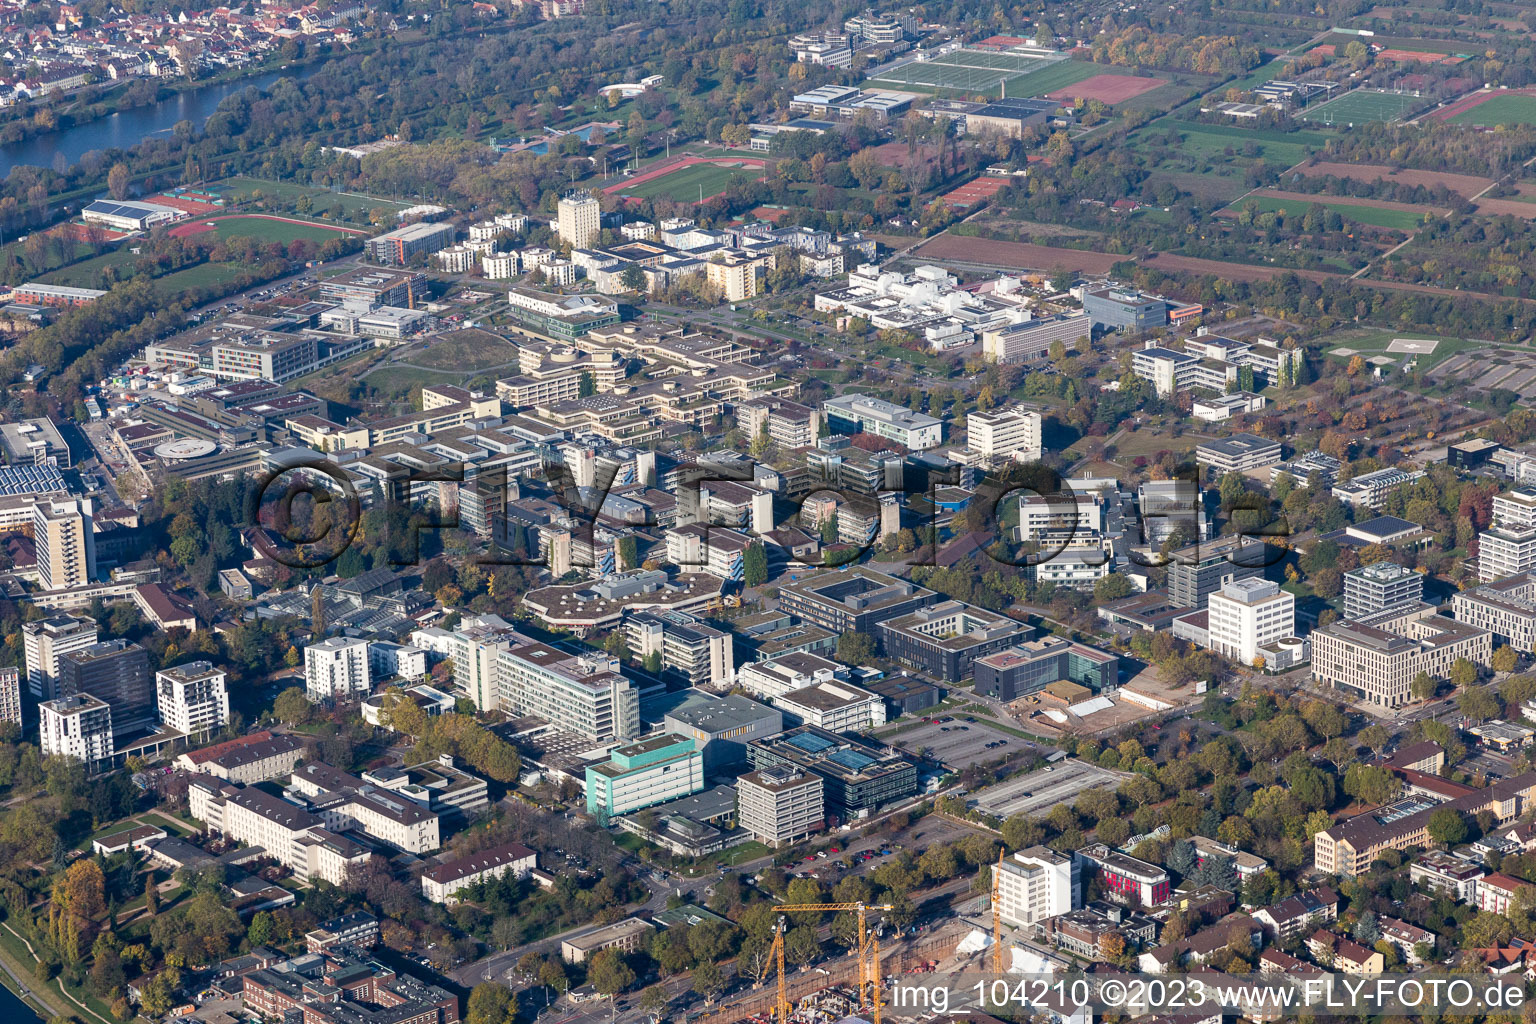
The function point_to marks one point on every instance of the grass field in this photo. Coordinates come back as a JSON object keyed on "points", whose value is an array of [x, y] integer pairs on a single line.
{"points": [[1507, 110], [398, 380], [1202, 143], [200, 276], [465, 354], [88, 273], [1361, 106], [1400, 220], [1370, 342], [686, 185], [354, 207], [969, 72], [265, 230]]}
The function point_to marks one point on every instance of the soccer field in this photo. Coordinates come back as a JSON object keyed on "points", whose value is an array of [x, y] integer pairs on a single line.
{"points": [[975, 71], [1509, 110], [689, 183], [1361, 106]]}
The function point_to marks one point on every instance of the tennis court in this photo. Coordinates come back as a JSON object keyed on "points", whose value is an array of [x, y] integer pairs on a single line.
{"points": [[965, 71], [1361, 106]]}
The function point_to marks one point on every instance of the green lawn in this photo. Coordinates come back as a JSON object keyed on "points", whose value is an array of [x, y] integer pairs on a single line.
{"points": [[398, 380], [200, 276], [1506, 110], [455, 353], [88, 273], [267, 230], [688, 184], [1264, 73], [1369, 342], [1201, 142], [355, 208], [1400, 220]]}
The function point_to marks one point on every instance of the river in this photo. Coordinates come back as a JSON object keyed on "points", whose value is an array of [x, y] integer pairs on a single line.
{"points": [[129, 127], [13, 1009]]}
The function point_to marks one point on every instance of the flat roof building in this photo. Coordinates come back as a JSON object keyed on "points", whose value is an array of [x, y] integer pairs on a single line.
{"points": [[944, 640], [1377, 658], [858, 778], [1373, 588], [852, 600], [780, 805]]}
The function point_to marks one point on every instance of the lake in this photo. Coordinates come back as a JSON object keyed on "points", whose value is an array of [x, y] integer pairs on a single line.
{"points": [[130, 127]]}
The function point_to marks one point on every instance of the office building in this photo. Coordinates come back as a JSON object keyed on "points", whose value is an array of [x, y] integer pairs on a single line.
{"points": [[834, 706], [1037, 884], [116, 672], [1505, 551], [193, 699], [1030, 341], [943, 640], [1371, 490], [1246, 615], [1126, 878], [579, 219], [689, 649], [474, 648], [780, 805], [1351, 847], [79, 727], [404, 820], [1374, 588], [1198, 571], [583, 694], [788, 424], [852, 600], [1377, 658], [858, 778], [627, 937], [400, 247], [295, 837], [1124, 309], [1506, 608], [721, 727], [862, 414], [10, 695], [1169, 508], [66, 546], [776, 676], [358, 929], [1033, 665], [643, 774], [1516, 510], [246, 759], [336, 668], [441, 882], [45, 642], [1004, 435], [1237, 454]]}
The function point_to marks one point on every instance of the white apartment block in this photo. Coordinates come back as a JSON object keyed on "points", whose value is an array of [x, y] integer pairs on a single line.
{"points": [[388, 660], [1035, 885], [1516, 510], [78, 727], [579, 219], [1371, 490], [473, 648], [1079, 566], [63, 536], [1505, 551], [336, 668], [1004, 434], [1247, 614], [780, 805], [834, 706], [192, 698], [45, 641], [585, 694], [1066, 517], [10, 695]]}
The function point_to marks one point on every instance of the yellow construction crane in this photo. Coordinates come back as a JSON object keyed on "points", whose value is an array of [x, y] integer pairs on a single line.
{"points": [[997, 916], [863, 952], [874, 977], [781, 1006]]}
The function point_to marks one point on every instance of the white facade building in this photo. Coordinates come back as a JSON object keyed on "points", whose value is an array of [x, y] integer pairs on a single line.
{"points": [[78, 727], [192, 698], [336, 668], [1247, 614], [833, 706], [1004, 434], [1035, 885]]}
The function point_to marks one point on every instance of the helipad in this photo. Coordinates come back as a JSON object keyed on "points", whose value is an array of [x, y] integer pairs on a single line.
{"points": [[185, 448]]}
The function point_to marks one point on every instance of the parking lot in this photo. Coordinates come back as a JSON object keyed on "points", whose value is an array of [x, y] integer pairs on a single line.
{"points": [[1036, 793], [959, 742]]}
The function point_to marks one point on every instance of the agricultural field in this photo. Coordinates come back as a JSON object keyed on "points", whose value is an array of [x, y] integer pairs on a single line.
{"points": [[1014, 255], [1462, 184], [1361, 106], [1374, 213], [1512, 109]]}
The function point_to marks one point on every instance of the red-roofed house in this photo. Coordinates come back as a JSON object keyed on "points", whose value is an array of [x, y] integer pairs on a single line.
{"points": [[1496, 892]]}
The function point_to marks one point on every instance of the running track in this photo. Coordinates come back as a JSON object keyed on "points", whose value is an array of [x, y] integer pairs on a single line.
{"points": [[201, 225]]}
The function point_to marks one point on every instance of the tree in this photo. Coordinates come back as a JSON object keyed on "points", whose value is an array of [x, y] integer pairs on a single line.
{"points": [[117, 181], [633, 278], [151, 896], [754, 563], [292, 706], [1447, 826], [1376, 737], [856, 648], [1505, 659], [1463, 672], [708, 981], [1423, 686], [1477, 702], [1366, 929], [608, 973], [654, 1001], [1111, 588]]}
